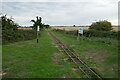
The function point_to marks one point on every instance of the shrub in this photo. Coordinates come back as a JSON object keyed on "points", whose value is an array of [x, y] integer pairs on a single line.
{"points": [[96, 33], [101, 26], [18, 35]]}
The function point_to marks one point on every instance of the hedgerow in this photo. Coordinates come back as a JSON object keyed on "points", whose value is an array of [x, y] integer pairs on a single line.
{"points": [[9, 36], [92, 33]]}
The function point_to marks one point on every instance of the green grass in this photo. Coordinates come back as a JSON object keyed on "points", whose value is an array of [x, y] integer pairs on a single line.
{"points": [[100, 54], [26, 59]]}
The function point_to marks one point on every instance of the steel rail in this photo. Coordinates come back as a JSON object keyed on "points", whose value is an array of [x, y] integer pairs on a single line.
{"points": [[74, 61], [68, 53], [85, 65]]}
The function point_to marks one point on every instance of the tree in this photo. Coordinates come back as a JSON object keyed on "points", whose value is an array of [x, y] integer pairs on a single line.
{"points": [[8, 23], [101, 26], [74, 26], [34, 25], [47, 26], [37, 23]]}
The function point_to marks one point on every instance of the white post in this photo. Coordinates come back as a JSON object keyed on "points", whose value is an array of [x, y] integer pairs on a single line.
{"points": [[38, 28], [37, 32]]}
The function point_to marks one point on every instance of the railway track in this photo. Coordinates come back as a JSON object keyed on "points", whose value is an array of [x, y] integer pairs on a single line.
{"points": [[89, 73]]}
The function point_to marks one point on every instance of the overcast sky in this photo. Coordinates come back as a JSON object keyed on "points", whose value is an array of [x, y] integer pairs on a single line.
{"points": [[62, 12]]}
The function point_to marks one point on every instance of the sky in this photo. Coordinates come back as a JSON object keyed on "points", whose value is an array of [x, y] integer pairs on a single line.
{"points": [[61, 12]]}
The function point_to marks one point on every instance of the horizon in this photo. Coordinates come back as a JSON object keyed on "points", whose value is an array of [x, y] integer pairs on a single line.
{"points": [[68, 26]]}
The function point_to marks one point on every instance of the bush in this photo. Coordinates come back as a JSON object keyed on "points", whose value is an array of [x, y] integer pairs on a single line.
{"points": [[95, 33], [18, 35], [101, 26]]}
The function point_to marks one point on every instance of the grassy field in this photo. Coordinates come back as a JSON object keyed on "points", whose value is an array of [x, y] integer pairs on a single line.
{"points": [[26, 59], [100, 54]]}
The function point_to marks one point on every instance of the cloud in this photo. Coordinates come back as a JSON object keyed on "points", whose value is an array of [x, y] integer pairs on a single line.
{"points": [[99, 1], [62, 13]]}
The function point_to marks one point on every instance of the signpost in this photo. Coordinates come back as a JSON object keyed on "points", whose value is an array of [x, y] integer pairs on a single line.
{"points": [[37, 24], [80, 32]]}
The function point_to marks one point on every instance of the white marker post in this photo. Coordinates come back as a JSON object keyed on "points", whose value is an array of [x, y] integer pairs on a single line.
{"points": [[37, 32], [80, 31]]}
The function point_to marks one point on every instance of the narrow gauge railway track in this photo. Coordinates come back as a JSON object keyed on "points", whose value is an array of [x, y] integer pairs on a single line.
{"points": [[86, 70]]}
